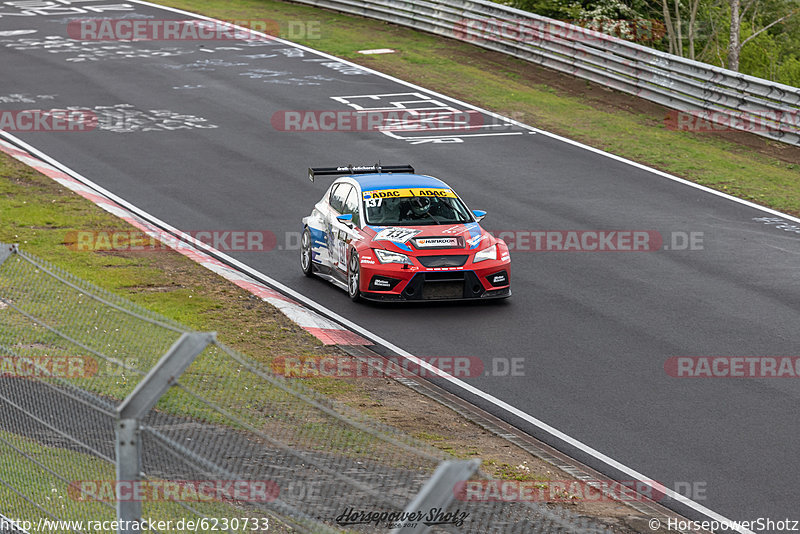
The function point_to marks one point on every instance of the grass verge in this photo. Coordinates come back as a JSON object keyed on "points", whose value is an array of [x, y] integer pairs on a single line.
{"points": [[93, 492]]}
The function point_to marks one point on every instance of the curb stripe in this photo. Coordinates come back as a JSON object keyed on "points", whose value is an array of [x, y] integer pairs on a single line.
{"points": [[327, 331]]}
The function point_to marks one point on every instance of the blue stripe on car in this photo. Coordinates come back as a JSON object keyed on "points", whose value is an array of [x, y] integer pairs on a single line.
{"points": [[375, 182], [474, 231]]}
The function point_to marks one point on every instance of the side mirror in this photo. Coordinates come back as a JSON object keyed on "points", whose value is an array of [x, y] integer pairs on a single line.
{"points": [[346, 218], [479, 214]]}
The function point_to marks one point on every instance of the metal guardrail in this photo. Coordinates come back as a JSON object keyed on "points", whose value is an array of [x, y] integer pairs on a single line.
{"points": [[109, 412], [701, 91]]}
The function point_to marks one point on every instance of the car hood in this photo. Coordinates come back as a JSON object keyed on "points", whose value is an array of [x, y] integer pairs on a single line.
{"points": [[438, 238]]}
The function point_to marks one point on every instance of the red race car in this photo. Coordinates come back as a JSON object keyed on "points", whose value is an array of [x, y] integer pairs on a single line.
{"points": [[385, 233]]}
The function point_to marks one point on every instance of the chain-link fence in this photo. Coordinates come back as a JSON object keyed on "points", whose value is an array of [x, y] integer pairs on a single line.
{"points": [[111, 412]]}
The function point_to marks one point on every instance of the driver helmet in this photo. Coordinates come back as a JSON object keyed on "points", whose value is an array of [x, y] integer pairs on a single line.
{"points": [[420, 206]]}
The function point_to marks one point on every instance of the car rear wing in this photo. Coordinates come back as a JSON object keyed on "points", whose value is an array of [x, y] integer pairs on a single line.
{"points": [[357, 169]]}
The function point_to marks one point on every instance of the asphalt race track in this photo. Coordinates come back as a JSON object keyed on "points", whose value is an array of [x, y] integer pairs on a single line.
{"points": [[186, 133]]}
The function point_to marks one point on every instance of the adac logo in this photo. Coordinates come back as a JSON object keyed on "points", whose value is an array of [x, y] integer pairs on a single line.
{"points": [[442, 193], [433, 192], [383, 194]]}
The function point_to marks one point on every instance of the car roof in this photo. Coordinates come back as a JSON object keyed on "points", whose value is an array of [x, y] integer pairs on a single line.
{"points": [[373, 182]]}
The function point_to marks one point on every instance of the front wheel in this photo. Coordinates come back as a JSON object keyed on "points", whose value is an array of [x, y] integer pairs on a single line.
{"points": [[354, 277], [305, 253]]}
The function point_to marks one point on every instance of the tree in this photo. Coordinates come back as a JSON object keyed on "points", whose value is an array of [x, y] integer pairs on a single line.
{"points": [[675, 26], [738, 12], [693, 26], [756, 37]]}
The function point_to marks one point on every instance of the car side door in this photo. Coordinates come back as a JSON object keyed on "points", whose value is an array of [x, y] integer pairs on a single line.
{"points": [[337, 232], [352, 207]]}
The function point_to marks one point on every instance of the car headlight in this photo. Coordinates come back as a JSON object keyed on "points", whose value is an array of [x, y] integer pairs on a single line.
{"points": [[489, 253], [387, 256]]}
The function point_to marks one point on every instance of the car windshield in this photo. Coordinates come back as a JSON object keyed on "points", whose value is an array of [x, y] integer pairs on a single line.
{"points": [[414, 210]]}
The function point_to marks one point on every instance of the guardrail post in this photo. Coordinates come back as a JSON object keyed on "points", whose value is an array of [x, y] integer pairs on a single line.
{"points": [[439, 490], [130, 412]]}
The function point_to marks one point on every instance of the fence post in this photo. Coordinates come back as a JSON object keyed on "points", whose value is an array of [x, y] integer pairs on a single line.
{"points": [[129, 414], [439, 491], [6, 251], [129, 467]]}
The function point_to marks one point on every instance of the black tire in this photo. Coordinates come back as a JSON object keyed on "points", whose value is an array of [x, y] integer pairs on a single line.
{"points": [[306, 254], [354, 277]]}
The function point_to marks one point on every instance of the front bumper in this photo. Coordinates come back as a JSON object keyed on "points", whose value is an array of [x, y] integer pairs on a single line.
{"points": [[398, 284]]}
